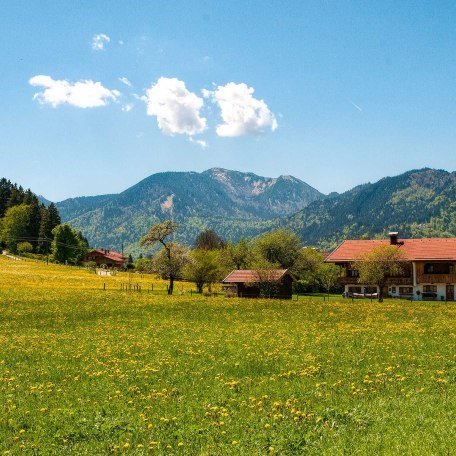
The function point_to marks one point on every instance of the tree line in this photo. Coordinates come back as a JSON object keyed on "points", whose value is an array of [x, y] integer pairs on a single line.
{"points": [[30, 228], [211, 258]]}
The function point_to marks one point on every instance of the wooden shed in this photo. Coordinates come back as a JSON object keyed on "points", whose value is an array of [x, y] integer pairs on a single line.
{"points": [[251, 283]]}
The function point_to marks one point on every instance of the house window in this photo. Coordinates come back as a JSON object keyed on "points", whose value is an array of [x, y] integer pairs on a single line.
{"points": [[393, 290], [430, 289], [451, 269], [438, 268], [353, 273], [370, 290], [405, 290]]}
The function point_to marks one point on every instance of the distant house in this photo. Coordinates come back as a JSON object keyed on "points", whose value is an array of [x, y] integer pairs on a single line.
{"points": [[249, 283], [428, 271], [104, 257]]}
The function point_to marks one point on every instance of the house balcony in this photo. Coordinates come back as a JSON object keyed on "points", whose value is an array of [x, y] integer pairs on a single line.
{"points": [[436, 278], [389, 281]]}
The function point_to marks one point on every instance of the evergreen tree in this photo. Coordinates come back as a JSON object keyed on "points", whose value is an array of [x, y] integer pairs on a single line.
{"points": [[49, 219], [67, 246]]}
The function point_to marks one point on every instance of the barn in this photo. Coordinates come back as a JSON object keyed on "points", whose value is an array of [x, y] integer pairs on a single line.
{"points": [[103, 257], [251, 283]]}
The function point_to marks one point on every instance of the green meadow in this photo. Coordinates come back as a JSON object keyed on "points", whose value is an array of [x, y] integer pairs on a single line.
{"points": [[88, 371]]}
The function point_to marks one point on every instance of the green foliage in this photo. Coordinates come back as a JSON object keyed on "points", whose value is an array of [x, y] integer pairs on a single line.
{"points": [[144, 265], [14, 226], [24, 247], [205, 268], [377, 265], [280, 247], [240, 255], [67, 245], [170, 262]]}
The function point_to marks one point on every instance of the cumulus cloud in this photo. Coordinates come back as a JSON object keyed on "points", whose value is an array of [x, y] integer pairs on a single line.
{"points": [[176, 108], [125, 81], [82, 94], [99, 41], [241, 112]]}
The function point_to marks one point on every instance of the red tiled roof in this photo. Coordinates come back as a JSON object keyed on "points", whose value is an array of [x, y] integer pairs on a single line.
{"points": [[253, 275], [110, 254], [412, 249]]}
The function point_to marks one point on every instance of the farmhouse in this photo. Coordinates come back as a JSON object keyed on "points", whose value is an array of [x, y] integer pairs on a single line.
{"points": [[249, 283], [104, 257], [428, 272]]}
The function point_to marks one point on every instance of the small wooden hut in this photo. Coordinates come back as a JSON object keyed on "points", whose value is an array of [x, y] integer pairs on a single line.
{"points": [[251, 283]]}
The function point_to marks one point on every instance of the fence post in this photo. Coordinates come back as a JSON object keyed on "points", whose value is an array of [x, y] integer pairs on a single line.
{"points": [[104, 286]]}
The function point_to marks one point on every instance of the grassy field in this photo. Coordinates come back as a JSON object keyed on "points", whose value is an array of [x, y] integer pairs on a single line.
{"points": [[88, 371]]}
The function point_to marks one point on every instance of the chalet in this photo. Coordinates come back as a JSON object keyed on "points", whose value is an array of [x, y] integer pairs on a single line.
{"points": [[103, 257], [428, 272], [249, 283]]}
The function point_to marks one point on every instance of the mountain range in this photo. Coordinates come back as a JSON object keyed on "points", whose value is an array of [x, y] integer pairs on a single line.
{"points": [[235, 204]]}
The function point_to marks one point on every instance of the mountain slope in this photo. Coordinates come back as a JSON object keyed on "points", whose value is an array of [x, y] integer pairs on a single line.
{"points": [[235, 204], [417, 203]]}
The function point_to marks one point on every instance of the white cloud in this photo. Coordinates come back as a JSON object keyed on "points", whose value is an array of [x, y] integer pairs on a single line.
{"points": [[127, 107], [203, 144], [125, 81], [82, 94], [99, 41], [176, 108], [241, 112]]}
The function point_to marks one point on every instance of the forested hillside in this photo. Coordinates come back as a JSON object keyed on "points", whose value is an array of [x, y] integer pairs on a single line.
{"points": [[25, 222], [234, 204], [419, 203]]}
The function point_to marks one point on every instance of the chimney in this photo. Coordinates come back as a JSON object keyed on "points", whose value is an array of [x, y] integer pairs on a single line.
{"points": [[393, 237]]}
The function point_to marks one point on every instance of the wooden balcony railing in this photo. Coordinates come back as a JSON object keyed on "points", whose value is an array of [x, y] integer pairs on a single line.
{"points": [[436, 278], [389, 281]]}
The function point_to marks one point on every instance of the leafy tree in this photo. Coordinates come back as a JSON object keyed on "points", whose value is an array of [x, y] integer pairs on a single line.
{"points": [[204, 269], [328, 274], [239, 255], [265, 272], [158, 234], [280, 246], [377, 265], [306, 267], [67, 245], [144, 265], [24, 247], [14, 226], [209, 240], [170, 262]]}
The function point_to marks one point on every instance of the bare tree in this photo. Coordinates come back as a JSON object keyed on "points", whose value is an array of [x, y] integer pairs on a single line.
{"points": [[158, 234]]}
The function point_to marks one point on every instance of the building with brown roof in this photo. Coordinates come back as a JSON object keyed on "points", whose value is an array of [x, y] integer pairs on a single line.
{"points": [[103, 257], [429, 270], [251, 283]]}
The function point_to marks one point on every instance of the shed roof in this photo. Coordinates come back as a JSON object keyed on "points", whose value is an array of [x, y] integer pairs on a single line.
{"points": [[427, 249], [254, 275]]}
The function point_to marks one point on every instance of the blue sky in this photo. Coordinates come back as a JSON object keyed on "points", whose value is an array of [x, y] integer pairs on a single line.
{"points": [[334, 93]]}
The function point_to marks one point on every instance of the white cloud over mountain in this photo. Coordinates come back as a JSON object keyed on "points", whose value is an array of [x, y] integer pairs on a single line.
{"points": [[99, 41], [82, 94], [241, 112], [176, 108]]}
